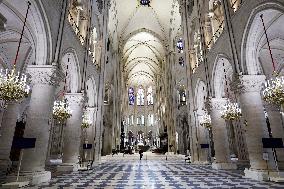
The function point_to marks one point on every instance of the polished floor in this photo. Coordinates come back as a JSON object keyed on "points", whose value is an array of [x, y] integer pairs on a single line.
{"points": [[155, 172]]}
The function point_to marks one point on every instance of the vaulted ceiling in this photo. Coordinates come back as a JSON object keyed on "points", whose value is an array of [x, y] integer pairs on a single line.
{"points": [[143, 33]]}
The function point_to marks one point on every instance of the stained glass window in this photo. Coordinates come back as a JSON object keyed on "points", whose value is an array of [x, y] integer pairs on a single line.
{"points": [[151, 119], [140, 97], [142, 120], [131, 96], [145, 2], [132, 119], [180, 45], [150, 99], [182, 97], [181, 61]]}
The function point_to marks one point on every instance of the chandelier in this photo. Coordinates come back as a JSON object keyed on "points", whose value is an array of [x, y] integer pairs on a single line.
{"points": [[205, 121], [61, 111], [231, 111], [86, 123], [274, 91], [13, 86], [274, 88]]}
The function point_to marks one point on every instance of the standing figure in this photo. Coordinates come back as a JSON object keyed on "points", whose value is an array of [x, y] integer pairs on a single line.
{"points": [[141, 154]]}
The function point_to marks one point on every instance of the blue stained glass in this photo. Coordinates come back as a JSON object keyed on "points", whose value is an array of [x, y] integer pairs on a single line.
{"points": [[180, 45], [131, 96]]}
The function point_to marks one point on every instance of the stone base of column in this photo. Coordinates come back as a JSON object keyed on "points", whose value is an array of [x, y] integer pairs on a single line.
{"points": [[261, 175], [4, 165], [200, 163], [264, 175], [34, 178], [224, 166], [242, 164], [68, 167], [15, 185]]}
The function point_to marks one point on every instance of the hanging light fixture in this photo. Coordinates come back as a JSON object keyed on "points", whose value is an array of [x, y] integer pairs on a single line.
{"points": [[13, 85], [231, 111], [205, 121], [86, 122], [273, 91], [61, 111]]}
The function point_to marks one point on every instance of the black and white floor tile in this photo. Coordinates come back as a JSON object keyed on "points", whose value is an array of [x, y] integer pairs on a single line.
{"points": [[148, 174]]}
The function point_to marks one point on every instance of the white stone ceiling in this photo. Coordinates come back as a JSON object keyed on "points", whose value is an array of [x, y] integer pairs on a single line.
{"points": [[143, 33]]}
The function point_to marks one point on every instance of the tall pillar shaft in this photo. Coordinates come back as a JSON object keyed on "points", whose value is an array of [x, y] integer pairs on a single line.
{"points": [[277, 130], [253, 113], [203, 153], [90, 132], [44, 79], [8, 126], [220, 136], [72, 133]]}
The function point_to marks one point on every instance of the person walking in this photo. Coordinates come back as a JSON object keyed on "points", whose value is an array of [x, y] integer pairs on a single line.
{"points": [[141, 154]]}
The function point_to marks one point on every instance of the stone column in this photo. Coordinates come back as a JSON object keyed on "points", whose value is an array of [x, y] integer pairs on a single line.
{"points": [[43, 80], [10, 116], [277, 130], [72, 133], [194, 138], [253, 114], [90, 132], [220, 136], [201, 139], [203, 152]]}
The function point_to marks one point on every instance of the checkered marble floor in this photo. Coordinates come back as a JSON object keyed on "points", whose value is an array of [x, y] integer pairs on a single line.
{"points": [[154, 173]]}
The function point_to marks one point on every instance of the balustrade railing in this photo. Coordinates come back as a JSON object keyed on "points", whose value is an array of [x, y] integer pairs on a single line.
{"points": [[75, 27], [235, 4], [216, 35]]}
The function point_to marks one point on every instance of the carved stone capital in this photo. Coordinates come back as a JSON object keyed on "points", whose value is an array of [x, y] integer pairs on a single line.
{"points": [[252, 83], [91, 110], [44, 74], [218, 103], [208, 105], [272, 107], [75, 99]]}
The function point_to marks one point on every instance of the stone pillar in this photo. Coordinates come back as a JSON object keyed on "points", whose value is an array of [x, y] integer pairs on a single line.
{"points": [[277, 130], [90, 132], [253, 114], [203, 152], [194, 138], [220, 137], [202, 157], [10, 116], [72, 133], [43, 79]]}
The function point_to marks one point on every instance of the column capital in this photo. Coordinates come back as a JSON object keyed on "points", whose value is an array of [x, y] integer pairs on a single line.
{"points": [[44, 74], [248, 83], [75, 98], [91, 109], [216, 103], [271, 107]]}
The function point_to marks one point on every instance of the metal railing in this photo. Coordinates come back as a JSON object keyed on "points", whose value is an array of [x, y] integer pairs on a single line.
{"points": [[216, 35], [75, 27], [234, 3]]}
